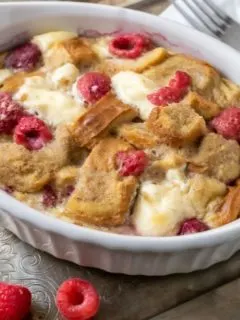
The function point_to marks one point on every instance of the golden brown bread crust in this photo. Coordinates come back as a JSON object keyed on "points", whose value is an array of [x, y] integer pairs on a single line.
{"points": [[66, 176], [218, 158], [228, 211], [204, 107], [226, 93], [14, 82], [101, 196], [147, 60], [137, 135], [176, 124], [29, 171], [204, 77], [93, 125], [76, 51]]}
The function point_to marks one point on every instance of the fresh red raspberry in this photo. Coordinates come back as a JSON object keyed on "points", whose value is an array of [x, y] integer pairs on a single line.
{"points": [[181, 80], [93, 86], [15, 302], [50, 197], [77, 299], [10, 113], [174, 92], [8, 189], [129, 45], [165, 95], [131, 163], [32, 132], [192, 226], [23, 58], [227, 123]]}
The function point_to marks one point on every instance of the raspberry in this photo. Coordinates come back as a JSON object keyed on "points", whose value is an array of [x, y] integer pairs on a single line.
{"points": [[93, 86], [181, 80], [32, 133], [131, 163], [129, 45], [165, 95], [174, 92], [15, 302], [8, 189], [227, 123], [77, 299], [10, 113], [49, 198], [23, 58], [192, 226]]}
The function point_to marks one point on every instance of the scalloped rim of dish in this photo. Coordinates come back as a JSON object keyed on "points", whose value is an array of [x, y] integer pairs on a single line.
{"points": [[110, 240]]}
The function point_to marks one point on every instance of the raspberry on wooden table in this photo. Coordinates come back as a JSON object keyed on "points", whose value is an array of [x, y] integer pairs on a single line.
{"points": [[32, 133], [92, 86], [227, 123], [131, 163], [23, 58], [129, 45], [15, 302], [192, 226], [174, 92], [10, 113], [77, 299]]}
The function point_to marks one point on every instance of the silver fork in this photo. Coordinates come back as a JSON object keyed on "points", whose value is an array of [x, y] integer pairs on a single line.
{"points": [[205, 13]]}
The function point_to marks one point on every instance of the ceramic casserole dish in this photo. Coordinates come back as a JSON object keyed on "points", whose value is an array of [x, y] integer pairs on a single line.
{"points": [[94, 248]]}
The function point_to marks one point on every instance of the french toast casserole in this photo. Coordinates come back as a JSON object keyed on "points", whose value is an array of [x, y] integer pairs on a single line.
{"points": [[119, 134]]}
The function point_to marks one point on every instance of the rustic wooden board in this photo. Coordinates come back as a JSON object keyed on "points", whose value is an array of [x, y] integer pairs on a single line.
{"points": [[220, 304]]}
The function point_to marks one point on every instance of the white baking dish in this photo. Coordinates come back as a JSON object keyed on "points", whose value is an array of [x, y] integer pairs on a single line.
{"points": [[113, 252]]}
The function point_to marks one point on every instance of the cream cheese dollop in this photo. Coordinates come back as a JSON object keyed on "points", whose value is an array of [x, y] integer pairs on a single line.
{"points": [[53, 106], [132, 88], [161, 208]]}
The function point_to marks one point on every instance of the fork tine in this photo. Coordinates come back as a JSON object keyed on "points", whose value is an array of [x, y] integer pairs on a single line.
{"points": [[217, 33], [186, 15], [218, 23], [226, 18]]}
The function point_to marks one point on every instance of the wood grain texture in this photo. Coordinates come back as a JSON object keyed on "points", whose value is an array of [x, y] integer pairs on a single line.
{"points": [[220, 304]]}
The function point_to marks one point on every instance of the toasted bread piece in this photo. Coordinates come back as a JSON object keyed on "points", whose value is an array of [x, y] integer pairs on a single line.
{"points": [[204, 189], [176, 124], [99, 119], [76, 51], [138, 135], [15, 81], [204, 107], [227, 93], [46, 40], [204, 77], [228, 210], [29, 171], [114, 65], [218, 158], [101, 196], [66, 176]]}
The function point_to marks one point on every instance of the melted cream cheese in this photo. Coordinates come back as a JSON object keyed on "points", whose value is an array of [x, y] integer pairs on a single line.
{"points": [[65, 75], [55, 107], [132, 88], [160, 208]]}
